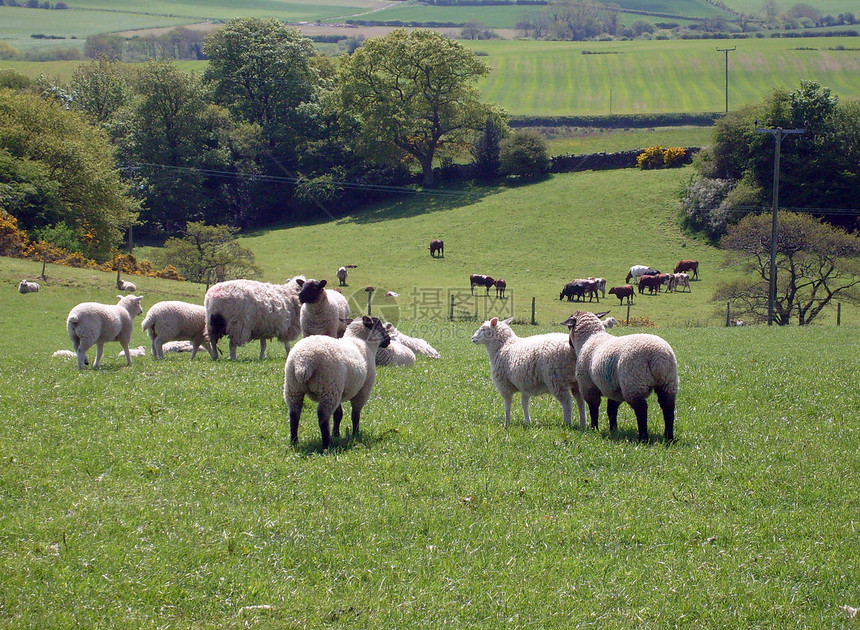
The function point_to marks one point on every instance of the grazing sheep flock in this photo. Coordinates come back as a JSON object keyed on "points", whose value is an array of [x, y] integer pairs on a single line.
{"points": [[331, 372], [93, 324]]}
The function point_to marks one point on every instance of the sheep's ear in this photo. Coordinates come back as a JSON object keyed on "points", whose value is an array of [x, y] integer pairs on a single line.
{"points": [[346, 320], [119, 297], [367, 321], [300, 282], [323, 283], [603, 314], [494, 321], [570, 322], [508, 320]]}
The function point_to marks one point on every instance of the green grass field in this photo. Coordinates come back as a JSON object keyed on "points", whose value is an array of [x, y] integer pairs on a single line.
{"points": [[555, 78], [566, 140], [167, 495]]}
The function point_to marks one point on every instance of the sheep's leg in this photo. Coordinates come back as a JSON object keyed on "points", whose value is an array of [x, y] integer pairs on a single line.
{"points": [[158, 348], [566, 407], [127, 353], [81, 351], [99, 349], [262, 349], [667, 406], [640, 407], [507, 400], [233, 347], [580, 404], [295, 406], [356, 416], [152, 348], [324, 416], [612, 412], [594, 411], [524, 400], [338, 416]]}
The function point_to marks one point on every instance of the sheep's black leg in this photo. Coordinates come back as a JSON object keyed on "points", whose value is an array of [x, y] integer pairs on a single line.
{"points": [[612, 412], [295, 414], [356, 416], [323, 415], [667, 406], [640, 407], [338, 415], [594, 412]]}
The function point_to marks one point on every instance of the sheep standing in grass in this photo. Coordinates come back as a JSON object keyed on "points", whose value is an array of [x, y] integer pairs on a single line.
{"points": [[395, 354], [246, 309], [173, 320], [28, 287], [332, 371], [93, 324], [342, 273], [533, 365], [413, 343], [624, 369], [323, 311]]}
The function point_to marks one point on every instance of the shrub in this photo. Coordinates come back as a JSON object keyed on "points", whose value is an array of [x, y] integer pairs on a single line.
{"points": [[524, 154], [652, 157], [674, 156]]}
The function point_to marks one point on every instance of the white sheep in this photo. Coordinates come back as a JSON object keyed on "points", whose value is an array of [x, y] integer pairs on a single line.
{"points": [[140, 351], [124, 285], [533, 365], [91, 323], [609, 322], [323, 311], [332, 371], [624, 369], [64, 354], [342, 273], [177, 346], [395, 354], [28, 287], [415, 344], [171, 320], [246, 309]]}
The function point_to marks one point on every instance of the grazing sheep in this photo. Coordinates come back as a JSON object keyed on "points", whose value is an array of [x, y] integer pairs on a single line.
{"points": [[622, 292], [172, 320], [323, 311], [637, 271], [688, 265], [500, 285], [624, 369], [332, 371], [28, 287], [413, 343], [533, 365], [246, 309], [395, 354], [342, 273], [93, 324], [437, 247], [477, 280]]}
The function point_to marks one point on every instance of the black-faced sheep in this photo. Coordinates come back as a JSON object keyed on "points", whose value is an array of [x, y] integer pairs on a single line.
{"points": [[331, 372], [624, 369], [323, 310], [93, 324]]}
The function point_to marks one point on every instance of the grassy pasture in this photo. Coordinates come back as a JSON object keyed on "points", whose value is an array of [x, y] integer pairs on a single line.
{"points": [[566, 140], [167, 495], [556, 78]]}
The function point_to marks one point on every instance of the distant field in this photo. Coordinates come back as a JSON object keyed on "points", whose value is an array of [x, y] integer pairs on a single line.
{"points": [[827, 7], [567, 140], [555, 78]]}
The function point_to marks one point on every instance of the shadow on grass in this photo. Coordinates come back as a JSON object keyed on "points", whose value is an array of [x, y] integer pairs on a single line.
{"points": [[632, 436], [345, 443]]}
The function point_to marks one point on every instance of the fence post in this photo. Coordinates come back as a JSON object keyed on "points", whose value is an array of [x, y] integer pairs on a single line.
{"points": [[839, 313], [534, 322], [451, 310], [728, 314]]}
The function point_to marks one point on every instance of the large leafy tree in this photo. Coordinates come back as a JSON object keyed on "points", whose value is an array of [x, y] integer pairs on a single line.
{"points": [[56, 168], [101, 88], [414, 93], [209, 253], [816, 264]]}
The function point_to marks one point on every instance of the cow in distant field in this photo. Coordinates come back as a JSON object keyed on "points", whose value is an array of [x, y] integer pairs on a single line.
{"points": [[500, 285], [623, 292], [477, 280], [437, 247], [688, 265]]}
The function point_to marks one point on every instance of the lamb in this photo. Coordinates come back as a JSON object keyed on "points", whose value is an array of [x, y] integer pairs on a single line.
{"points": [[323, 311], [624, 369], [413, 343], [91, 323], [124, 285], [331, 371], [64, 354], [395, 354], [246, 309], [28, 287], [622, 292], [140, 351], [178, 346], [437, 247], [172, 320], [342, 273], [533, 365], [480, 281], [609, 322]]}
